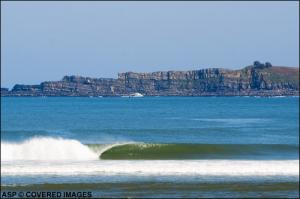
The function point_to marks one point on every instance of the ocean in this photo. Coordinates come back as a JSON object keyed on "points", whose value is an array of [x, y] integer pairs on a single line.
{"points": [[151, 146]]}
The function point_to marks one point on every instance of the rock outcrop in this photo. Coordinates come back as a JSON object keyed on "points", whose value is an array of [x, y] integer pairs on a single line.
{"points": [[4, 91], [258, 79]]}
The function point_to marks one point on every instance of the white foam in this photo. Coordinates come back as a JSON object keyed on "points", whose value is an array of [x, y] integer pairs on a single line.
{"points": [[157, 167], [46, 148]]}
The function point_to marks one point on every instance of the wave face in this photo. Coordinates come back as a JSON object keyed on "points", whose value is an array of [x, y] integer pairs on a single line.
{"points": [[46, 149], [201, 151]]}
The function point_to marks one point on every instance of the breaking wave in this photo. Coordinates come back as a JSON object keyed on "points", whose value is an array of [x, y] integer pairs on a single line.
{"points": [[201, 151], [34, 156], [57, 149]]}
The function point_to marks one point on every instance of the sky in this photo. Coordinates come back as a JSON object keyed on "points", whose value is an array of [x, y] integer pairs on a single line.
{"points": [[43, 41]]}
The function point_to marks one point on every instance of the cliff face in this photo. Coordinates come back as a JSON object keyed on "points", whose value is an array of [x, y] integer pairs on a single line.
{"points": [[252, 80]]}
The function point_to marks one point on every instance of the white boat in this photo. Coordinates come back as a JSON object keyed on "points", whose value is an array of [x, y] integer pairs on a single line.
{"points": [[136, 95], [133, 95]]}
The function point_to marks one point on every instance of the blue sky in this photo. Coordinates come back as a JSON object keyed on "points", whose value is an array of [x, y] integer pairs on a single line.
{"points": [[47, 40]]}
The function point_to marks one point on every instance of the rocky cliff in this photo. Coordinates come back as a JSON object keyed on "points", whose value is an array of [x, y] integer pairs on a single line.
{"points": [[257, 79]]}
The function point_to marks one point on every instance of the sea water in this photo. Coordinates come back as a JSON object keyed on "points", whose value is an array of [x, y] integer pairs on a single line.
{"points": [[152, 146]]}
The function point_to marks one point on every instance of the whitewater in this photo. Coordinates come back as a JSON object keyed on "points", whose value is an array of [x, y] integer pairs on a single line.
{"points": [[69, 157]]}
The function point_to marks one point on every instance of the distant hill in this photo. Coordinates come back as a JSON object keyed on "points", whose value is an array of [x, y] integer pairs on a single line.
{"points": [[255, 80]]}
